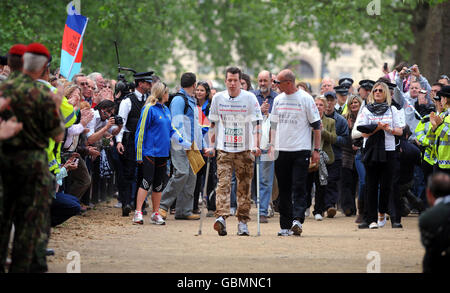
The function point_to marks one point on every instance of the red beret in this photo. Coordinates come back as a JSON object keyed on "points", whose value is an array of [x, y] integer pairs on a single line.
{"points": [[17, 49], [39, 49]]}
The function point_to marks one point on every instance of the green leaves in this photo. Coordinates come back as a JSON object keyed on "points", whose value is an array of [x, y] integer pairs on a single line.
{"points": [[248, 33]]}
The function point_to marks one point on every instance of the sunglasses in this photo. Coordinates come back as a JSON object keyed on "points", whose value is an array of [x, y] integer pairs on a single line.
{"points": [[279, 81], [445, 77], [378, 90], [83, 83]]}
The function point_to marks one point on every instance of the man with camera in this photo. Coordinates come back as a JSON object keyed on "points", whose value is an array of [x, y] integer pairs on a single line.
{"points": [[130, 110]]}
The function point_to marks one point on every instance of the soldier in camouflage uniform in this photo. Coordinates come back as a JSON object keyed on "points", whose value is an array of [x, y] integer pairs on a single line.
{"points": [[28, 184]]}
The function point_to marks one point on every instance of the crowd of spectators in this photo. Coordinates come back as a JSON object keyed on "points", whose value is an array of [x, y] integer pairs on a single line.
{"points": [[380, 139]]}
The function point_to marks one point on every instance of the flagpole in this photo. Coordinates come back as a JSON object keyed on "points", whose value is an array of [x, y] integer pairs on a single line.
{"points": [[78, 47]]}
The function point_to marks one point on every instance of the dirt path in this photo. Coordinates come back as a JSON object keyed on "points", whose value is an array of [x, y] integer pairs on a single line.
{"points": [[109, 243]]}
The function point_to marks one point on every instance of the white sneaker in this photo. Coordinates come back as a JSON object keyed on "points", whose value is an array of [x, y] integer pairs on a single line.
{"points": [[383, 222], [307, 212], [157, 219], [233, 211], [296, 228], [242, 229], [318, 217], [270, 212], [137, 219], [373, 225], [285, 232], [118, 205]]}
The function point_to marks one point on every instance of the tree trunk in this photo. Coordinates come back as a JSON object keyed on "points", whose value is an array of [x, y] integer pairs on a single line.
{"points": [[431, 38], [444, 64]]}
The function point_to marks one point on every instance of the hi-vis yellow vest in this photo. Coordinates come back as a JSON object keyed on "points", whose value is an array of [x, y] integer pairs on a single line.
{"points": [[441, 140], [69, 116], [421, 134]]}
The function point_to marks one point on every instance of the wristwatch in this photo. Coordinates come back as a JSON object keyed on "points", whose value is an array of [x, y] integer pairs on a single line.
{"points": [[317, 150]]}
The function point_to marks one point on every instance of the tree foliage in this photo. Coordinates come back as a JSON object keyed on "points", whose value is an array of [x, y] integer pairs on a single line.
{"points": [[151, 34]]}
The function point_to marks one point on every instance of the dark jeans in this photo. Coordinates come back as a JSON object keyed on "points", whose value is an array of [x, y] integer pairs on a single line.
{"points": [[379, 176], [200, 184], [348, 180], [291, 169], [331, 195], [319, 205], [63, 207]]}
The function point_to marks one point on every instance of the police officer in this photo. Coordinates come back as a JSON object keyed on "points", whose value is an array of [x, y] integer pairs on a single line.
{"points": [[130, 111], [27, 191]]}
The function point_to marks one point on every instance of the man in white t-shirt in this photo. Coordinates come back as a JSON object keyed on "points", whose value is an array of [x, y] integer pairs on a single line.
{"points": [[294, 114], [235, 115]]}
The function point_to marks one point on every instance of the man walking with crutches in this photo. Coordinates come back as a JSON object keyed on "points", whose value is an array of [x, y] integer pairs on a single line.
{"points": [[294, 114], [234, 116]]}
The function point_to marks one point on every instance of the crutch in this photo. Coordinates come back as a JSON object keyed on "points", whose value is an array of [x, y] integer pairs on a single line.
{"points": [[257, 194], [204, 195]]}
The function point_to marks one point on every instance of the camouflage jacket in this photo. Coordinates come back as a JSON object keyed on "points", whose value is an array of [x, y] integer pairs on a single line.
{"points": [[34, 107]]}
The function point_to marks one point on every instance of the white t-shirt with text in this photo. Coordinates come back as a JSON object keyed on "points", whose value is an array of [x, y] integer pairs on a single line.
{"points": [[294, 115], [234, 119]]}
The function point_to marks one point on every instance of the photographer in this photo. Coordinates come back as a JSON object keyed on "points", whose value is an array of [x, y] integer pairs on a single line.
{"points": [[130, 110], [102, 127]]}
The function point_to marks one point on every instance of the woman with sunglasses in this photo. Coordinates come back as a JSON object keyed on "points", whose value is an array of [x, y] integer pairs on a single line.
{"points": [[382, 121], [154, 134]]}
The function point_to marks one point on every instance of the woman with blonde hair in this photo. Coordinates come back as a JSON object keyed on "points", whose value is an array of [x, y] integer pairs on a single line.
{"points": [[379, 123], [154, 134], [349, 170]]}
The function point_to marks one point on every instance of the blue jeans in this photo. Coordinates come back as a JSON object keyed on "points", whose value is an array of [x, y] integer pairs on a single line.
{"points": [[233, 201], [361, 175], [63, 207], [266, 173]]}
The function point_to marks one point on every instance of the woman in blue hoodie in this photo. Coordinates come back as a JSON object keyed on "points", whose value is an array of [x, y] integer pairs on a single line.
{"points": [[154, 134]]}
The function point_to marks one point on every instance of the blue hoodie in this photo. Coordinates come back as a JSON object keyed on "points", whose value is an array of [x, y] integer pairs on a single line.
{"points": [[154, 132]]}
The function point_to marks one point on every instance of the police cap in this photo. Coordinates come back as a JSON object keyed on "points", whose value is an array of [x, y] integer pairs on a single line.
{"points": [[341, 90], [367, 84], [444, 92], [145, 76], [346, 81]]}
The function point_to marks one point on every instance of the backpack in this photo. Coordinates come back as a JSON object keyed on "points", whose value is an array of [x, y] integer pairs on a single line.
{"points": [[185, 98]]}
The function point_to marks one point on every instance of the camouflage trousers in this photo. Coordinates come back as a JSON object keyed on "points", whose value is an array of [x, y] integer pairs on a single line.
{"points": [[28, 187], [242, 163]]}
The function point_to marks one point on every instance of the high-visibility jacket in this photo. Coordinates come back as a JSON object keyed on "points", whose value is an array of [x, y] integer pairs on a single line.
{"points": [[421, 135], [54, 150], [441, 139]]}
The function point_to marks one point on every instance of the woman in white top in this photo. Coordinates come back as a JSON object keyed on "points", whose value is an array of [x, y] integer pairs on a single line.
{"points": [[380, 166]]}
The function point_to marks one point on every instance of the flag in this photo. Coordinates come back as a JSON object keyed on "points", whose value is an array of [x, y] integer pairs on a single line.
{"points": [[72, 43]]}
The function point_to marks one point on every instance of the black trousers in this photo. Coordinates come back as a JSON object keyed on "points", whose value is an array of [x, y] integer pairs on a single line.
{"points": [[291, 169], [332, 191], [319, 205], [127, 172], [379, 178], [212, 182], [348, 179]]}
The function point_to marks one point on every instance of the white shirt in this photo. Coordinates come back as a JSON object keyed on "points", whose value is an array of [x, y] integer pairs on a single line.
{"points": [[293, 115], [234, 118], [124, 110], [97, 123], [391, 116]]}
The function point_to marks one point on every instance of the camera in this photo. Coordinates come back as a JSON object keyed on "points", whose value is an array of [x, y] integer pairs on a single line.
{"points": [[408, 71], [118, 120]]}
